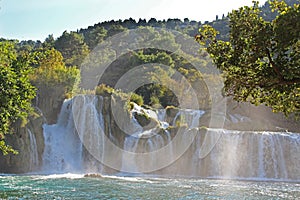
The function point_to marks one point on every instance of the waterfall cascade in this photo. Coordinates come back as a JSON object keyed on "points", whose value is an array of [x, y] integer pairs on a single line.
{"points": [[83, 130], [63, 149], [34, 160], [249, 154]]}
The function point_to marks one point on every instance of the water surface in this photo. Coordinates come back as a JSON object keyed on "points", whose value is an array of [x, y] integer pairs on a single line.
{"points": [[72, 186]]}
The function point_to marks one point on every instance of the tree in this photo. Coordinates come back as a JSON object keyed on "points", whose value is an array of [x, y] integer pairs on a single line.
{"points": [[142, 22], [152, 22], [261, 61], [16, 92], [129, 23], [172, 23], [49, 42], [95, 36], [51, 72], [115, 29], [72, 47], [186, 21], [27, 46]]}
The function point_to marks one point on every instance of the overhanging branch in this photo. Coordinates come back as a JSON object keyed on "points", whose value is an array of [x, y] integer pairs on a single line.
{"points": [[273, 65]]}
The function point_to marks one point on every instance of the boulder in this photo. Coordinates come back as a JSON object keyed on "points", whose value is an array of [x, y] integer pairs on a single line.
{"points": [[93, 176], [145, 121]]}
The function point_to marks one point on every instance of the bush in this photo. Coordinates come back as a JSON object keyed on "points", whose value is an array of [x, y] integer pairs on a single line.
{"points": [[104, 90], [138, 99]]}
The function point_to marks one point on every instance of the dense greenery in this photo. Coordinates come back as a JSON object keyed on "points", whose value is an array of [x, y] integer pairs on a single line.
{"points": [[16, 92], [261, 61], [25, 65], [72, 47], [257, 50], [51, 72], [159, 93]]}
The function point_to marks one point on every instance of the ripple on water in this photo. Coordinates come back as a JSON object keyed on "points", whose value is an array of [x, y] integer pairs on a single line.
{"points": [[70, 186]]}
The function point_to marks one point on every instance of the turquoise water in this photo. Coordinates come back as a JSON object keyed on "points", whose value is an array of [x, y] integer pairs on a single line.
{"points": [[71, 186]]}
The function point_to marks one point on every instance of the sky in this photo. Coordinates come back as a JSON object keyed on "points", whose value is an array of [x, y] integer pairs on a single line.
{"points": [[36, 19]]}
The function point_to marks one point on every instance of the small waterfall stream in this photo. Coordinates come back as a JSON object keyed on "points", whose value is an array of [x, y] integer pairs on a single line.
{"points": [[164, 149], [34, 160]]}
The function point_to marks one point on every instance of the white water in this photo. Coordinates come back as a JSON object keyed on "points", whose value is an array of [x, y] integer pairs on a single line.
{"points": [[248, 154], [147, 140], [63, 149], [226, 153], [34, 160]]}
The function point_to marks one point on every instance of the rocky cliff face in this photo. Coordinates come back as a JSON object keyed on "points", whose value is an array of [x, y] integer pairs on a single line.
{"points": [[49, 100], [29, 142]]}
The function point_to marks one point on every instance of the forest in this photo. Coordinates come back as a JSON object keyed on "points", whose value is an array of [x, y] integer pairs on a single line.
{"points": [[257, 50]]}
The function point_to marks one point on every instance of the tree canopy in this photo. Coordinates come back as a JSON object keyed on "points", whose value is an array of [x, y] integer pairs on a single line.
{"points": [[261, 60], [72, 47], [50, 72], [16, 91]]}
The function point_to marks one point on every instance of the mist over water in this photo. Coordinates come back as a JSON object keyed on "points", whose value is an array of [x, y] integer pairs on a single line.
{"points": [[230, 154]]}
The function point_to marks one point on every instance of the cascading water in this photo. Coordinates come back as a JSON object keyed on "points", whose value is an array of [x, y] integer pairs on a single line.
{"points": [[147, 140], [152, 140], [34, 160], [63, 149], [224, 154], [257, 155]]}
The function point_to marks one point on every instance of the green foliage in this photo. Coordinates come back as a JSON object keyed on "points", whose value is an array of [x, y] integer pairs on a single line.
{"points": [[115, 29], [94, 37], [6, 149], [164, 75], [130, 106], [261, 62], [49, 42], [127, 98], [104, 90], [136, 99], [27, 46], [152, 56], [154, 102], [207, 36], [51, 72], [16, 92], [72, 47]]}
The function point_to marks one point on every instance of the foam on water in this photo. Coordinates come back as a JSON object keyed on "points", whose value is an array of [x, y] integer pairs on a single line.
{"points": [[229, 154], [58, 176]]}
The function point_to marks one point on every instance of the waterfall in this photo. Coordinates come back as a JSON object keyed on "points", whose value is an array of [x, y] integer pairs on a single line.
{"points": [[85, 139], [141, 142], [128, 159], [252, 154], [34, 160], [141, 148], [63, 149], [140, 155], [87, 111]]}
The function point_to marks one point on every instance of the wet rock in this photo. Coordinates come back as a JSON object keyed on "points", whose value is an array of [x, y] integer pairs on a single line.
{"points": [[145, 121], [93, 176], [21, 141]]}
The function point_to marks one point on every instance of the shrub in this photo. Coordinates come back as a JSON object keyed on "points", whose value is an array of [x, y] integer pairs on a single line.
{"points": [[104, 90], [136, 99]]}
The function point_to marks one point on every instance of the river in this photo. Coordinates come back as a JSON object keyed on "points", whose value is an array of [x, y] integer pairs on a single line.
{"points": [[76, 186]]}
